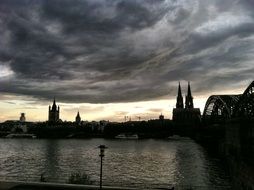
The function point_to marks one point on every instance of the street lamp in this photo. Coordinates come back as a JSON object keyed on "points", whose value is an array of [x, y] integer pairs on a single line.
{"points": [[102, 150]]}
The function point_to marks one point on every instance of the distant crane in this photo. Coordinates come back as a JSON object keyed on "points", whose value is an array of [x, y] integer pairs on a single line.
{"points": [[126, 118], [139, 118]]}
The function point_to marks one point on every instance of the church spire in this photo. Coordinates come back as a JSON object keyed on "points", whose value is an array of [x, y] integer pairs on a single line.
{"points": [[189, 98], [189, 89], [54, 104], [54, 112], [179, 102], [78, 118], [179, 90]]}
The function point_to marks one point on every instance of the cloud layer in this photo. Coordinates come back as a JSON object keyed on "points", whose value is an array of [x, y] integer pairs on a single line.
{"points": [[93, 51]]}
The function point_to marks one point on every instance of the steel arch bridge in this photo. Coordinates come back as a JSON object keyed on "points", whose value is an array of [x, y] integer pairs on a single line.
{"points": [[219, 108], [245, 105]]}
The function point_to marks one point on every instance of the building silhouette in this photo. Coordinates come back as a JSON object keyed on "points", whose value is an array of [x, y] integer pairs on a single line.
{"points": [[54, 113], [22, 117], [161, 117], [78, 118], [187, 115]]}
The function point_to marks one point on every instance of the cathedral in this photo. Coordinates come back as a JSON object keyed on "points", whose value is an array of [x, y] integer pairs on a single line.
{"points": [[185, 114], [54, 113]]}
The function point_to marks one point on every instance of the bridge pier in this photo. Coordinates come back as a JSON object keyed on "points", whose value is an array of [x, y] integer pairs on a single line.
{"points": [[234, 142], [239, 151]]}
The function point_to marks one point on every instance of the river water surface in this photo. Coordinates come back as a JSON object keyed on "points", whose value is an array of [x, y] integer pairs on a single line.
{"points": [[132, 163]]}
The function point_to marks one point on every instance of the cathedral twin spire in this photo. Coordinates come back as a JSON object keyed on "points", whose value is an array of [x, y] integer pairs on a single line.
{"points": [[179, 102], [188, 98]]}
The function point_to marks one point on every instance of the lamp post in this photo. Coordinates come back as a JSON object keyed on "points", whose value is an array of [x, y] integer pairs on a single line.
{"points": [[102, 150]]}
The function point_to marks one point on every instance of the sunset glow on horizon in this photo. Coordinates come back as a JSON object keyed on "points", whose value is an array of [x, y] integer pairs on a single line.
{"points": [[144, 110]]}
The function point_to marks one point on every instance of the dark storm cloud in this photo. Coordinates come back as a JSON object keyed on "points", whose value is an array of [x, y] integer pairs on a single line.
{"points": [[102, 17], [118, 51]]}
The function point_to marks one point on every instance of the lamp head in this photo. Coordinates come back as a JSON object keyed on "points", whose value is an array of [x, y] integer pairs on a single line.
{"points": [[102, 150]]}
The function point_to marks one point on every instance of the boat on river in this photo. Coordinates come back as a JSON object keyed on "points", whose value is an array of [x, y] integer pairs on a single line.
{"points": [[126, 136], [29, 136]]}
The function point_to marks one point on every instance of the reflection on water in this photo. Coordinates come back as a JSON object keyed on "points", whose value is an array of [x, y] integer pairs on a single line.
{"points": [[138, 163]]}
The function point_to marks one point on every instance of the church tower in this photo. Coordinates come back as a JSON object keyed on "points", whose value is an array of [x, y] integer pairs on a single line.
{"points": [[78, 118], [187, 116], [54, 112], [179, 101], [189, 99]]}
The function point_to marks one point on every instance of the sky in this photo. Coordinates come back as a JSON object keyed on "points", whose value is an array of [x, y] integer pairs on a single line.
{"points": [[115, 58]]}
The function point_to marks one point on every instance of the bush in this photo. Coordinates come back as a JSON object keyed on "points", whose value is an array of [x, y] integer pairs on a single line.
{"points": [[79, 178]]}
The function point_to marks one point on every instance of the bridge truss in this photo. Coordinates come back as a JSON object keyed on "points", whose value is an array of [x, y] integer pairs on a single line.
{"points": [[245, 105], [219, 108]]}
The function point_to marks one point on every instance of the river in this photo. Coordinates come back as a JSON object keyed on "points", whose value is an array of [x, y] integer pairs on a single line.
{"points": [[131, 163]]}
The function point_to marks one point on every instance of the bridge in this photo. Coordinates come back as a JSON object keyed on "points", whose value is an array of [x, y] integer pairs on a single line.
{"points": [[220, 108], [228, 125]]}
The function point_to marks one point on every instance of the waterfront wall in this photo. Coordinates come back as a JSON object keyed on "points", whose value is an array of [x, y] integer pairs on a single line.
{"points": [[233, 140], [11, 185], [238, 149]]}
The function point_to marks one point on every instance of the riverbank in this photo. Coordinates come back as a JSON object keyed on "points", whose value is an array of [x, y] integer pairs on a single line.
{"points": [[21, 185]]}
